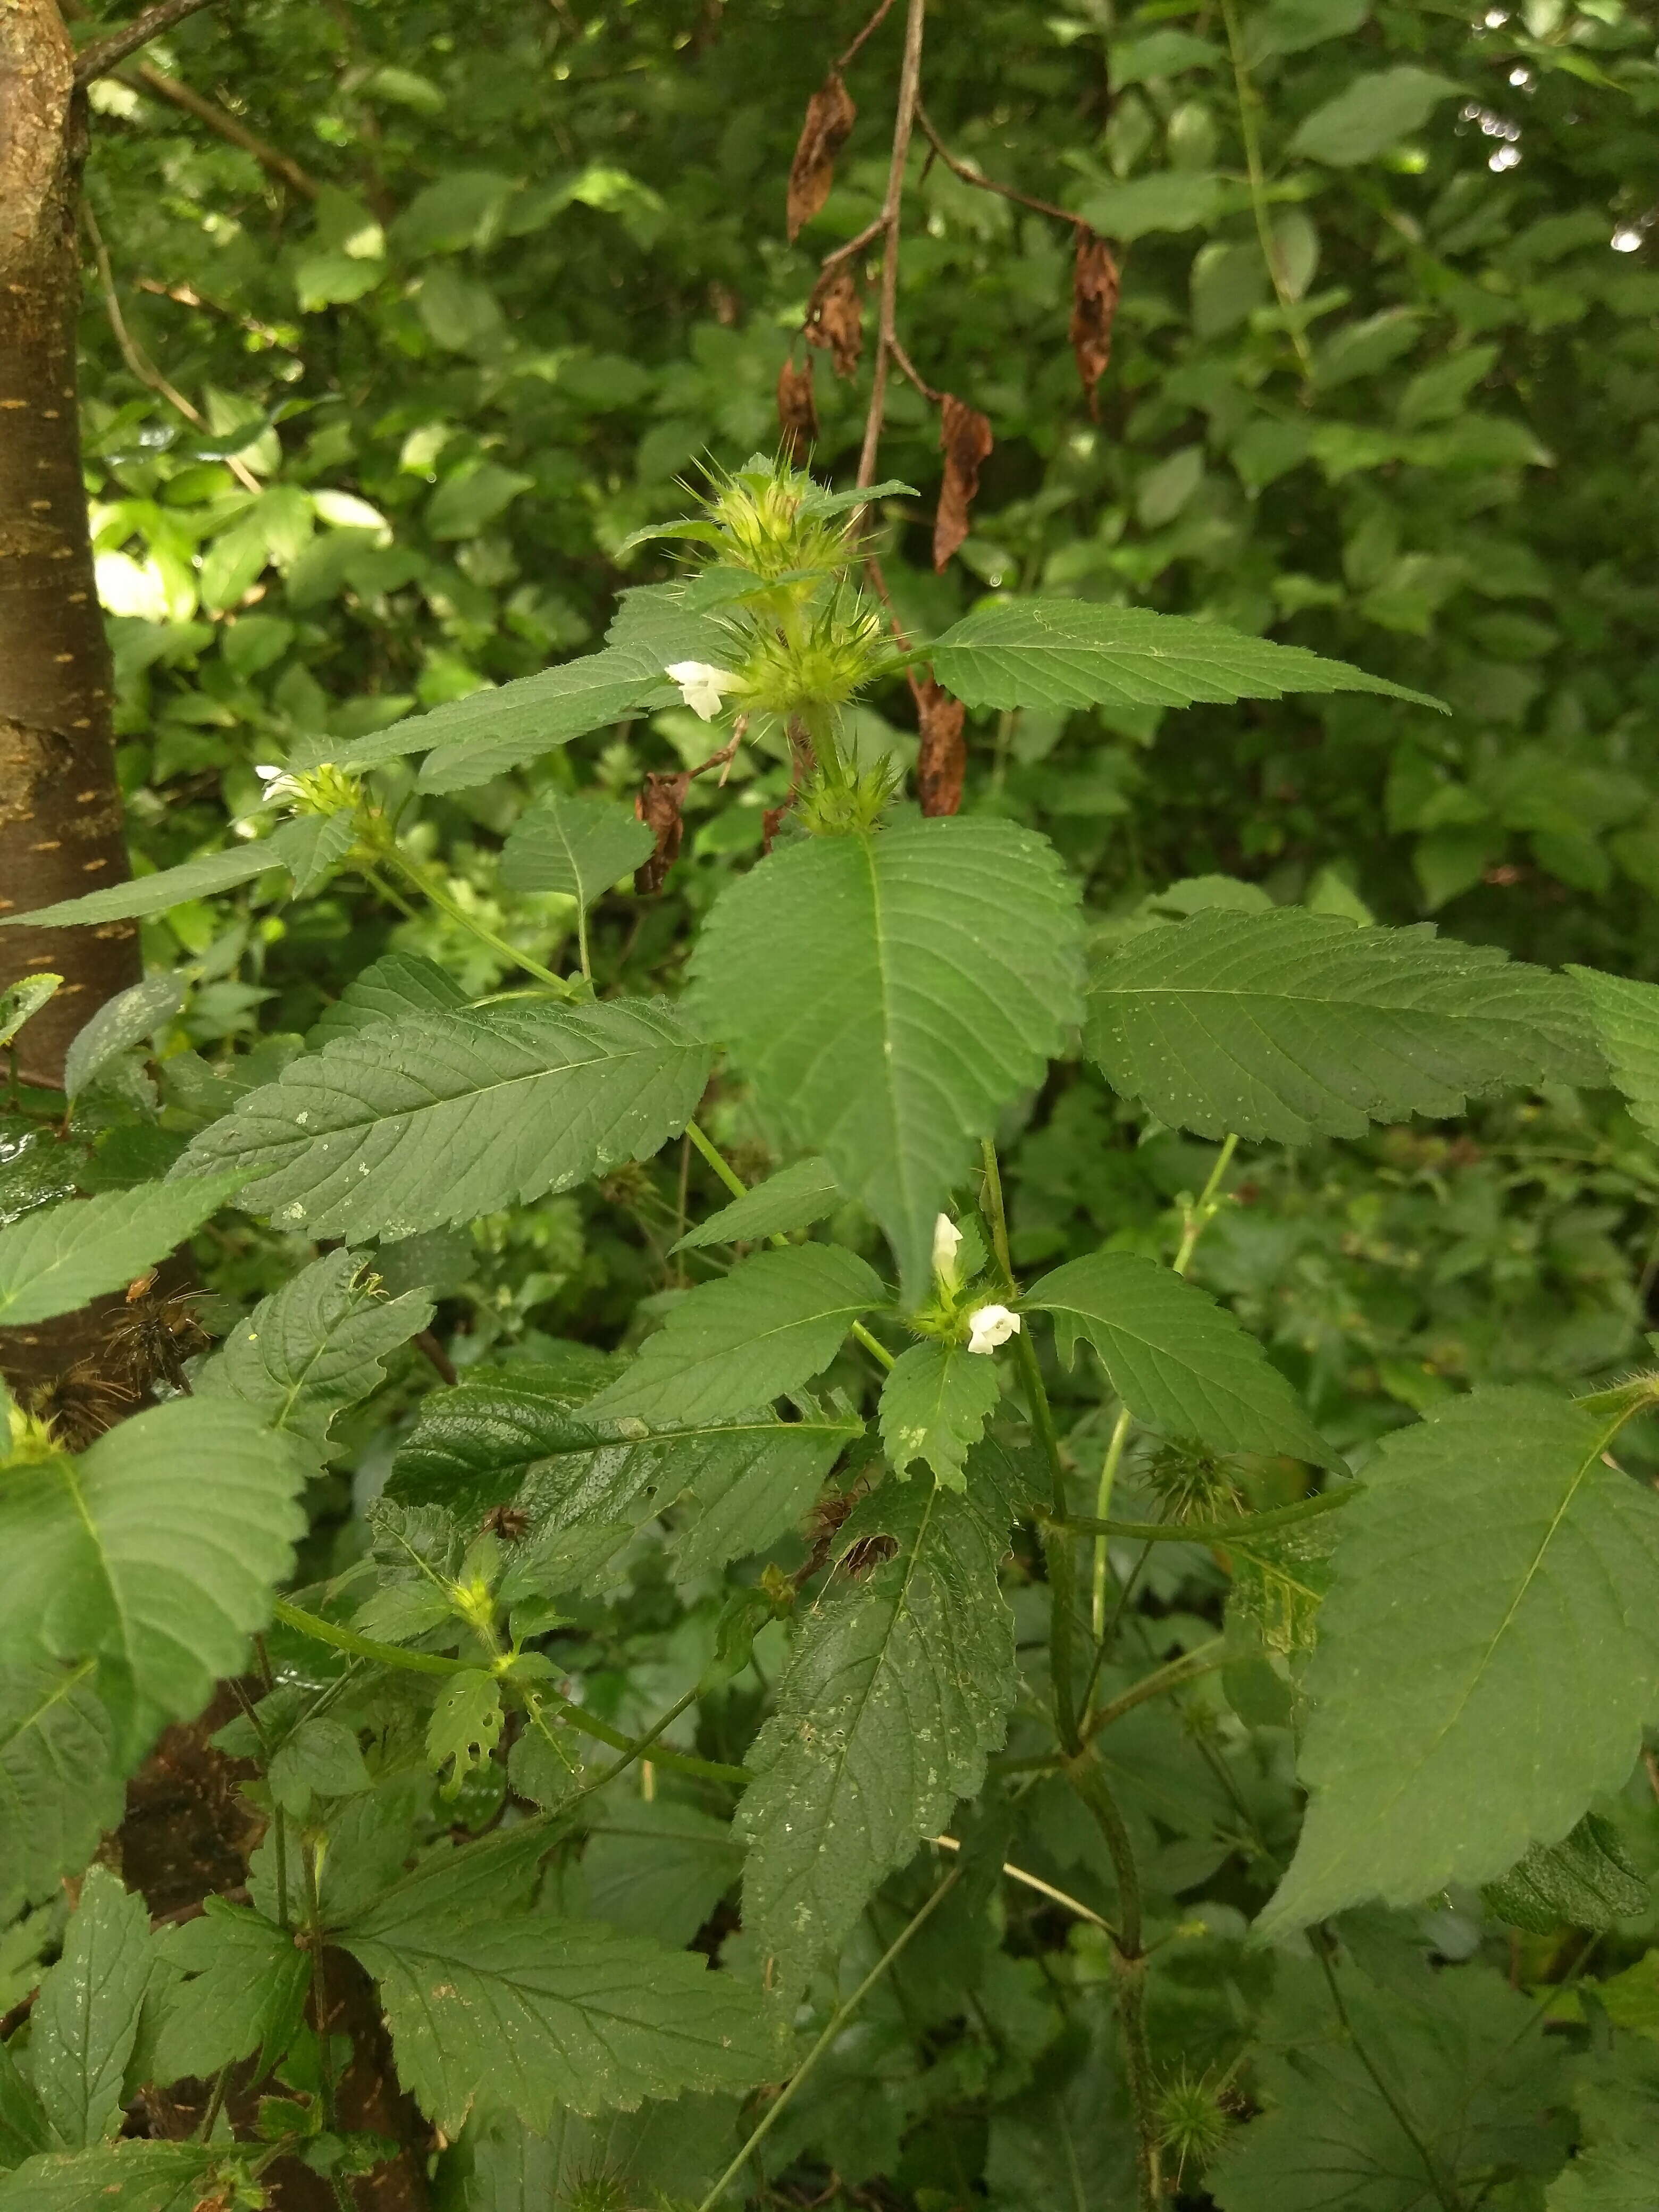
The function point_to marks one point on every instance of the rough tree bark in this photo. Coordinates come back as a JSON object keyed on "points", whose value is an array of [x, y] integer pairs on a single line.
{"points": [[60, 808]]}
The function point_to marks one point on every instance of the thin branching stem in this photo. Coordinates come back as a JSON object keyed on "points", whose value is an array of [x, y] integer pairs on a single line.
{"points": [[909, 91]]}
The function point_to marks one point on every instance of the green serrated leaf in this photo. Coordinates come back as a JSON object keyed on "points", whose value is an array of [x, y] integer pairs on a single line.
{"points": [[1277, 1025], [21, 1000], [888, 992], [895, 1694], [23, 2130], [1074, 653], [535, 2014], [577, 845], [126, 1552], [289, 847], [777, 1320], [394, 987], [659, 1868], [59, 1257], [934, 1405], [487, 732], [85, 2019], [126, 1019], [466, 1725], [413, 1124], [1175, 1357], [1494, 1550], [1586, 1881], [751, 1481], [1617, 2093], [1626, 1017], [246, 1992], [315, 1347], [58, 1789], [794, 1198], [124, 2177], [321, 1757], [665, 2153]]}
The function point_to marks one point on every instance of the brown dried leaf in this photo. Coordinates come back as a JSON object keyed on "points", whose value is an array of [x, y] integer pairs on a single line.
{"points": [[830, 116], [834, 318], [1094, 305], [797, 413], [657, 806], [965, 435], [942, 761]]}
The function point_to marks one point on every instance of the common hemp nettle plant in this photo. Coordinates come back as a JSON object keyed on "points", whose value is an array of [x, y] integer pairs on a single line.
{"points": [[838, 1443]]}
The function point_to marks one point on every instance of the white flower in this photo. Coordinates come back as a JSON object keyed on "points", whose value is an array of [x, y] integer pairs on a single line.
{"points": [[278, 784], [992, 1326], [947, 1239], [701, 686]]}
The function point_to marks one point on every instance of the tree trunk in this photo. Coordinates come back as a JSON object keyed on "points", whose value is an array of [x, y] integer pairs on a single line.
{"points": [[60, 808]]}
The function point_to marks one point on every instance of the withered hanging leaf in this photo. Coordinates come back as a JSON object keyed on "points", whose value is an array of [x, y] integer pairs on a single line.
{"points": [[798, 414], [942, 761], [830, 115], [965, 436], [1094, 305], [834, 318], [657, 806]]}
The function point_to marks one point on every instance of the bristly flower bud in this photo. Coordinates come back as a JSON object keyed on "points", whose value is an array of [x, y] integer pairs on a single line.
{"points": [[947, 1242], [324, 789]]}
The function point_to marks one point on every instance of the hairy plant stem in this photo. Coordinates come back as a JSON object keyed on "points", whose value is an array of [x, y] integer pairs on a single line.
{"points": [[395, 857], [832, 2028], [1238, 1529], [1129, 1964], [1249, 101], [313, 1912]]}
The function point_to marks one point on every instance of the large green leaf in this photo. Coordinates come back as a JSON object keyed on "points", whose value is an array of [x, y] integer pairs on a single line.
{"points": [[157, 1549], [1174, 1357], [1277, 1025], [1488, 1653], [1617, 2093], [889, 992], [794, 1198], [1627, 1017], [395, 987], [777, 1320], [665, 2153], [576, 844], [410, 1124], [1373, 112], [536, 2013], [658, 1868], [1074, 653], [895, 1694], [57, 1257], [488, 732], [292, 846], [58, 1789], [121, 2177], [934, 1406], [243, 1989], [315, 1347], [85, 2020]]}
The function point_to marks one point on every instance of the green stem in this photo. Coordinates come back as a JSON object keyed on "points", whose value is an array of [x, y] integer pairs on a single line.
{"points": [[996, 1213], [397, 859], [1203, 1210], [1246, 94], [1237, 1530], [873, 1346], [1108, 1468], [832, 2028], [318, 1985], [1175, 1674], [1129, 1962]]}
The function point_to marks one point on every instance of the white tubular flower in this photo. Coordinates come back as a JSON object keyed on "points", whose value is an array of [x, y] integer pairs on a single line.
{"points": [[701, 686], [992, 1326], [947, 1239], [278, 784]]}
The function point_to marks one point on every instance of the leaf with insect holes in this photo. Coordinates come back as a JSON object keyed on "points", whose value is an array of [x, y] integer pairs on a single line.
{"points": [[575, 844], [396, 986], [59, 1257], [1494, 1549], [1626, 1017], [126, 1552], [117, 2177], [85, 2019], [242, 1989], [465, 1727], [58, 1787], [888, 992], [934, 1406], [534, 2014], [794, 1198], [315, 1347], [412, 1124], [777, 1320], [896, 1692], [1174, 1357], [290, 846], [1280, 1024], [1076, 653]]}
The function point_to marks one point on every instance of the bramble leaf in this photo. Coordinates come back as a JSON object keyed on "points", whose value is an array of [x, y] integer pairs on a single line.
{"points": [[888, 992], [315, 1347], [1277, 1025], [412, 1124], [794, 1198], [575, 844], [1493, 1550], [895, 1694], [85, 2019], [777, 1320], [1174, 1357], [59, 1257], [934, 1406], [1074, 653]]}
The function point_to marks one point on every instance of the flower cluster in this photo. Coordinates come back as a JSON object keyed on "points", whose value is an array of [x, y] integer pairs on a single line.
{"points": [[988, 1325]]}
